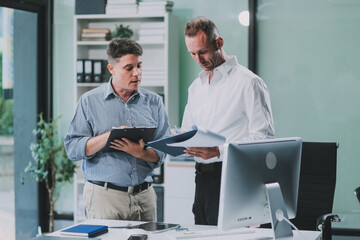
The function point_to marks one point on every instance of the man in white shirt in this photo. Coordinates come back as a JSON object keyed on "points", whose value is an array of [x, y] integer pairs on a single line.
{"points": [[227, 99]]}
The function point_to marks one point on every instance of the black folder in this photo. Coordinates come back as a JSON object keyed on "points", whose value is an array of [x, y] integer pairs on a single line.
{"points": [[133, 134], [105, 71]]}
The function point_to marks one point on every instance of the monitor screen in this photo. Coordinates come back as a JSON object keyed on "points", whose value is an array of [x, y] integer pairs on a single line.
{"points": [[247, 170]]}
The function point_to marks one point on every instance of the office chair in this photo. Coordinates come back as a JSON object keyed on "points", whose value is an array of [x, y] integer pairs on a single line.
{"points": [[316, 188]]}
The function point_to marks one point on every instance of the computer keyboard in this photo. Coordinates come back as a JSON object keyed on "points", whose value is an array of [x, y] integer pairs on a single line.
{"points": [[213, 232]]}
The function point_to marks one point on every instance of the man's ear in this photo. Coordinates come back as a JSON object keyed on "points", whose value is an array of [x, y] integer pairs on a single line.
{"points": [[219, 43], [110, 67]]}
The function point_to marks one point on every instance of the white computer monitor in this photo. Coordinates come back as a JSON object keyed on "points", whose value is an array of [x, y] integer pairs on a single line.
{"points": [[249, 190]]}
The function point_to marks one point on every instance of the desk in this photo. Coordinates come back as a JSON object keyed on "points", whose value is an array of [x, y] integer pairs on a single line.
{"points": [[123, 234], [349, 225]]}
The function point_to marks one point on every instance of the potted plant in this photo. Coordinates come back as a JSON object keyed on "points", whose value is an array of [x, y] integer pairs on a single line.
{"points": [[50, 165], [122, 31]]}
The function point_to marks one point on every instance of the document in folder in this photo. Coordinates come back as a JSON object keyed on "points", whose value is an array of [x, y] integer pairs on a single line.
{"points": [[175, 145], [133, 134]]}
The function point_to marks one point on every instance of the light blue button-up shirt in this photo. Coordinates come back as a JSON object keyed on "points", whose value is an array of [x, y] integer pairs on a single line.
{"points": [[97, 112]]}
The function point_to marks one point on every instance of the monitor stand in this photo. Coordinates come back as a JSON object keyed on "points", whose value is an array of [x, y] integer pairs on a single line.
{"points": [[282, 229]]}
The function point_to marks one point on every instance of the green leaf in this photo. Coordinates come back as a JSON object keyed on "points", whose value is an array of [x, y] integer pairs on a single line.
{"points": [[48, 154], [122, 32]]}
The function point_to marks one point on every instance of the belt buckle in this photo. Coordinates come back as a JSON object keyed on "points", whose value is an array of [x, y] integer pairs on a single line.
{"points": [[130, 190]]}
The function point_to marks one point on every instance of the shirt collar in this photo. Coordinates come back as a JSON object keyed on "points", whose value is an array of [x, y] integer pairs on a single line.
{"points": [[222, 69], [109, 91]]}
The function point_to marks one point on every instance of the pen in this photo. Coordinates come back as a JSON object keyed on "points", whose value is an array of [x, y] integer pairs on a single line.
{"points": [[39, 231], [181, 229], [176, 129]]}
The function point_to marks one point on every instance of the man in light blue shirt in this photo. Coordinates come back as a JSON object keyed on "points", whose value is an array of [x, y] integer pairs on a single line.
{"points": [[118, 184]]}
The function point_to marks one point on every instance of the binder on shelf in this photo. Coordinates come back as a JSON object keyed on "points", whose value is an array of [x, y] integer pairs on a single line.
{"points": [[88, 71], [105, 73], [97, 70], [80, 71]]}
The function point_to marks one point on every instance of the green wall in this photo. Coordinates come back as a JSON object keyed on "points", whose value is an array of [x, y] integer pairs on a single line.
{"points": [[225, 16], [307, 55]]}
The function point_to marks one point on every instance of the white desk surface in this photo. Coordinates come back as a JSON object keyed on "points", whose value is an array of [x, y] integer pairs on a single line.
{"points": [[349, 220], [123, 234]]}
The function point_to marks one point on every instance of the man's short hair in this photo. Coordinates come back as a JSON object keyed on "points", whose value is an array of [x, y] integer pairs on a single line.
{"points": [[119, 47], [204, 24]]}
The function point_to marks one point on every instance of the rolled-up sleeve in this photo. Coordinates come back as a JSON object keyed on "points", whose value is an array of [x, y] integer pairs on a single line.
{"points": [[78, 134]]}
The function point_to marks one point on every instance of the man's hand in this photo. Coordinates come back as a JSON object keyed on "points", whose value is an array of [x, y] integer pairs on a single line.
{"points": [[203, 152], [135, 149], [128, 146], [174, 132]]}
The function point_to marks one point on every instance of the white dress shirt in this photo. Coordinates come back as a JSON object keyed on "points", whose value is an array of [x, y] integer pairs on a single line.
{"points": [[236, 105]]}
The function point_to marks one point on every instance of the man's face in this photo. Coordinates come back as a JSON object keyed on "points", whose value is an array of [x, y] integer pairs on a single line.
{"points": [[202, 50], [127, 72]]}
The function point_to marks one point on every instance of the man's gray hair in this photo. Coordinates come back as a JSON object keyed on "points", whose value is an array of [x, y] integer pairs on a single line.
{"points": [[204, 24]]}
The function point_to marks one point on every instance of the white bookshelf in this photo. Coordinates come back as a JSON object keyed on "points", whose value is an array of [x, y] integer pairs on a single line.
{"points": [[158, 54]]}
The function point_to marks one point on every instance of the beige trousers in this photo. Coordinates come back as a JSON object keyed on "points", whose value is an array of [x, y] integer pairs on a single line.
{"points": [[106, 203]]}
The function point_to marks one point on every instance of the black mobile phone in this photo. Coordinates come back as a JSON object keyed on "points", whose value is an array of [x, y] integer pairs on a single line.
{"points": [[138, 237]]}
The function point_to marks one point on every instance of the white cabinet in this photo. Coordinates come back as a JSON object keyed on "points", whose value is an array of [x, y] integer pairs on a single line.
{"points": [[179, 191], [160, 55]]}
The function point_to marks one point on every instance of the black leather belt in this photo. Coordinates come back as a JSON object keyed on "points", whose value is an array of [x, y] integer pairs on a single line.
{"points": [[133, 189], [210, 167]]}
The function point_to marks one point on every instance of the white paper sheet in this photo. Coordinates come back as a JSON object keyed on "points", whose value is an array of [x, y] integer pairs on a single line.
{"points": [[202, 138]]}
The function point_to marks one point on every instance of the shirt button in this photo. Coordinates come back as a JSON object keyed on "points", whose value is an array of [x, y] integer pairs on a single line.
{"points": [[126, 105], [128, 121], [134, 169]]}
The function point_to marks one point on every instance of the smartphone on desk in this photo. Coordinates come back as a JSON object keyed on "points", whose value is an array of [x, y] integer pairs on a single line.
{"points": [[137, 237]]}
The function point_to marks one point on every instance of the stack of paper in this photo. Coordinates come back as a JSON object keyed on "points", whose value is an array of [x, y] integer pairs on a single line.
{"points": [[95, 34], [152, 32], [197, 137], [155, 7], [121, 7], [153, 74]]}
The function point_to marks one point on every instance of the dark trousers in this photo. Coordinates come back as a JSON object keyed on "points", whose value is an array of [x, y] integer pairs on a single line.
{"points": [[207, 194]]}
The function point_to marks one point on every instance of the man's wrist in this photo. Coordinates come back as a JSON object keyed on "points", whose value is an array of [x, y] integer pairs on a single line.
{"points": [[141, 154], [147, 155]]}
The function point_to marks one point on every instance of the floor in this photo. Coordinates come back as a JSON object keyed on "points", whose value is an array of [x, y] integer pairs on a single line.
{"points": [[7, 196], [7, 215]]}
